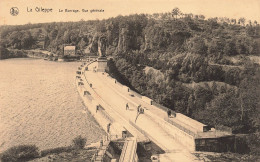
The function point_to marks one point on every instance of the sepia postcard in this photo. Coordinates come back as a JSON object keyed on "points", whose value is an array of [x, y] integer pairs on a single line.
{"points": [[129, 80]]}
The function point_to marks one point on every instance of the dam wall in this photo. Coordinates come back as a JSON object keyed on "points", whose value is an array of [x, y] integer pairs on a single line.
{"points": [[178, 132], [102, 117], [195, 136]]}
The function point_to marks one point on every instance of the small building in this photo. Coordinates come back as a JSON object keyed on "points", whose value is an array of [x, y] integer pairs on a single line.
{"points": [[69, 50]]}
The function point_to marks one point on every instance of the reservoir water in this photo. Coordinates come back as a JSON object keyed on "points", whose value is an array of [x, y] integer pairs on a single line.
{"points": [[39, 104]]}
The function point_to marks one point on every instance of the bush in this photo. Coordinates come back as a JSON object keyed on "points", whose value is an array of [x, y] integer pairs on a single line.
{"points": [[253, 141], [20, 153], [79, 142], [56, 150]]}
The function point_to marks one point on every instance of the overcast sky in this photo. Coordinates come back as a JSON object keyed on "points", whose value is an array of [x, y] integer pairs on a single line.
{"points": [[250, 9]]}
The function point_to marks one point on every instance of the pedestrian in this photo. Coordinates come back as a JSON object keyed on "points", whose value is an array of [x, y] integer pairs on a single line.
{"points": [[97, 107], [169, 113], [138, 108], [108, 127], [101, 143], [126, 106]]}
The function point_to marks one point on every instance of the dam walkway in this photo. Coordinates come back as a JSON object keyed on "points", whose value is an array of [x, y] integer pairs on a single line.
{"points": [[148, 124]]}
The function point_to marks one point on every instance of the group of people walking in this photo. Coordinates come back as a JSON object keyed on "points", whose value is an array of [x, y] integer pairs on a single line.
{"points": [[139, 108]]}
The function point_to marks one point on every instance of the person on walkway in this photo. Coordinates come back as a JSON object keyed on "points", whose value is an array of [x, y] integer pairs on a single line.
{"points": [[169, 113], [108, 127], [97, 107], [138, 108], [127, 106], [141, 110]]}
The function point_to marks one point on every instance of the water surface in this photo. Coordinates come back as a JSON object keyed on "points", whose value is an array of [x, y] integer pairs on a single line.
{"points": [[39, 104]]}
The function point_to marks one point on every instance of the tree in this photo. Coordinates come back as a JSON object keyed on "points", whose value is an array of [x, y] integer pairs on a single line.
{"points": [[230, 48], [249, 97], [27, 40], [202, 17], [53, 34], [250, 22], [82, 44], [223, 110], [242, 21], [3, 53], [79, 142], [234, 21], [255, 23], [66, 37], [190, 105], [190, 15], [181, 14], [20, 153], [216, 46], [175, 12], [197, 45], [46, 42]]}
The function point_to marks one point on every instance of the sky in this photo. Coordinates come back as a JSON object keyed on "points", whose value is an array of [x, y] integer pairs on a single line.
{"points": [[249, 9]]}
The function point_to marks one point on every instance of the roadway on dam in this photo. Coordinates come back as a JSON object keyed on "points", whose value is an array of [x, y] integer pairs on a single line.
{"points": [[150, 122]]}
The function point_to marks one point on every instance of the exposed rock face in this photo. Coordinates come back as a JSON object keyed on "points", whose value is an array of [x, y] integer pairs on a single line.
{"points": [[102, 46], [94, 44], [97, 45], [123, 40], [110, 42]]}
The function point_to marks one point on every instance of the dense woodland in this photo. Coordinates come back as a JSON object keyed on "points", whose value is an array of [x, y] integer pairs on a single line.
{"points": [[199, 67]]}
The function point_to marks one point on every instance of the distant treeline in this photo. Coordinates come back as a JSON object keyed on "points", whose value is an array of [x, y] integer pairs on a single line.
{"points": [[165, 32]]}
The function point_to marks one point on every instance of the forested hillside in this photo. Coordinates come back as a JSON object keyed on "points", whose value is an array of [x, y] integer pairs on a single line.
{"points": [[196, 66]]}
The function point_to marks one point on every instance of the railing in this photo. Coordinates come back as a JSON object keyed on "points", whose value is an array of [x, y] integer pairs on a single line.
{"points": [[194, 134], [225, 129], [105, 142], [107, 116], [138, 128], [135, 93], [160, 106], [147, 135], [104, 113], [119, 84], [129, 151], [135, 157], [88, 97], [200, 127], [84, 70], [122, 156]]}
